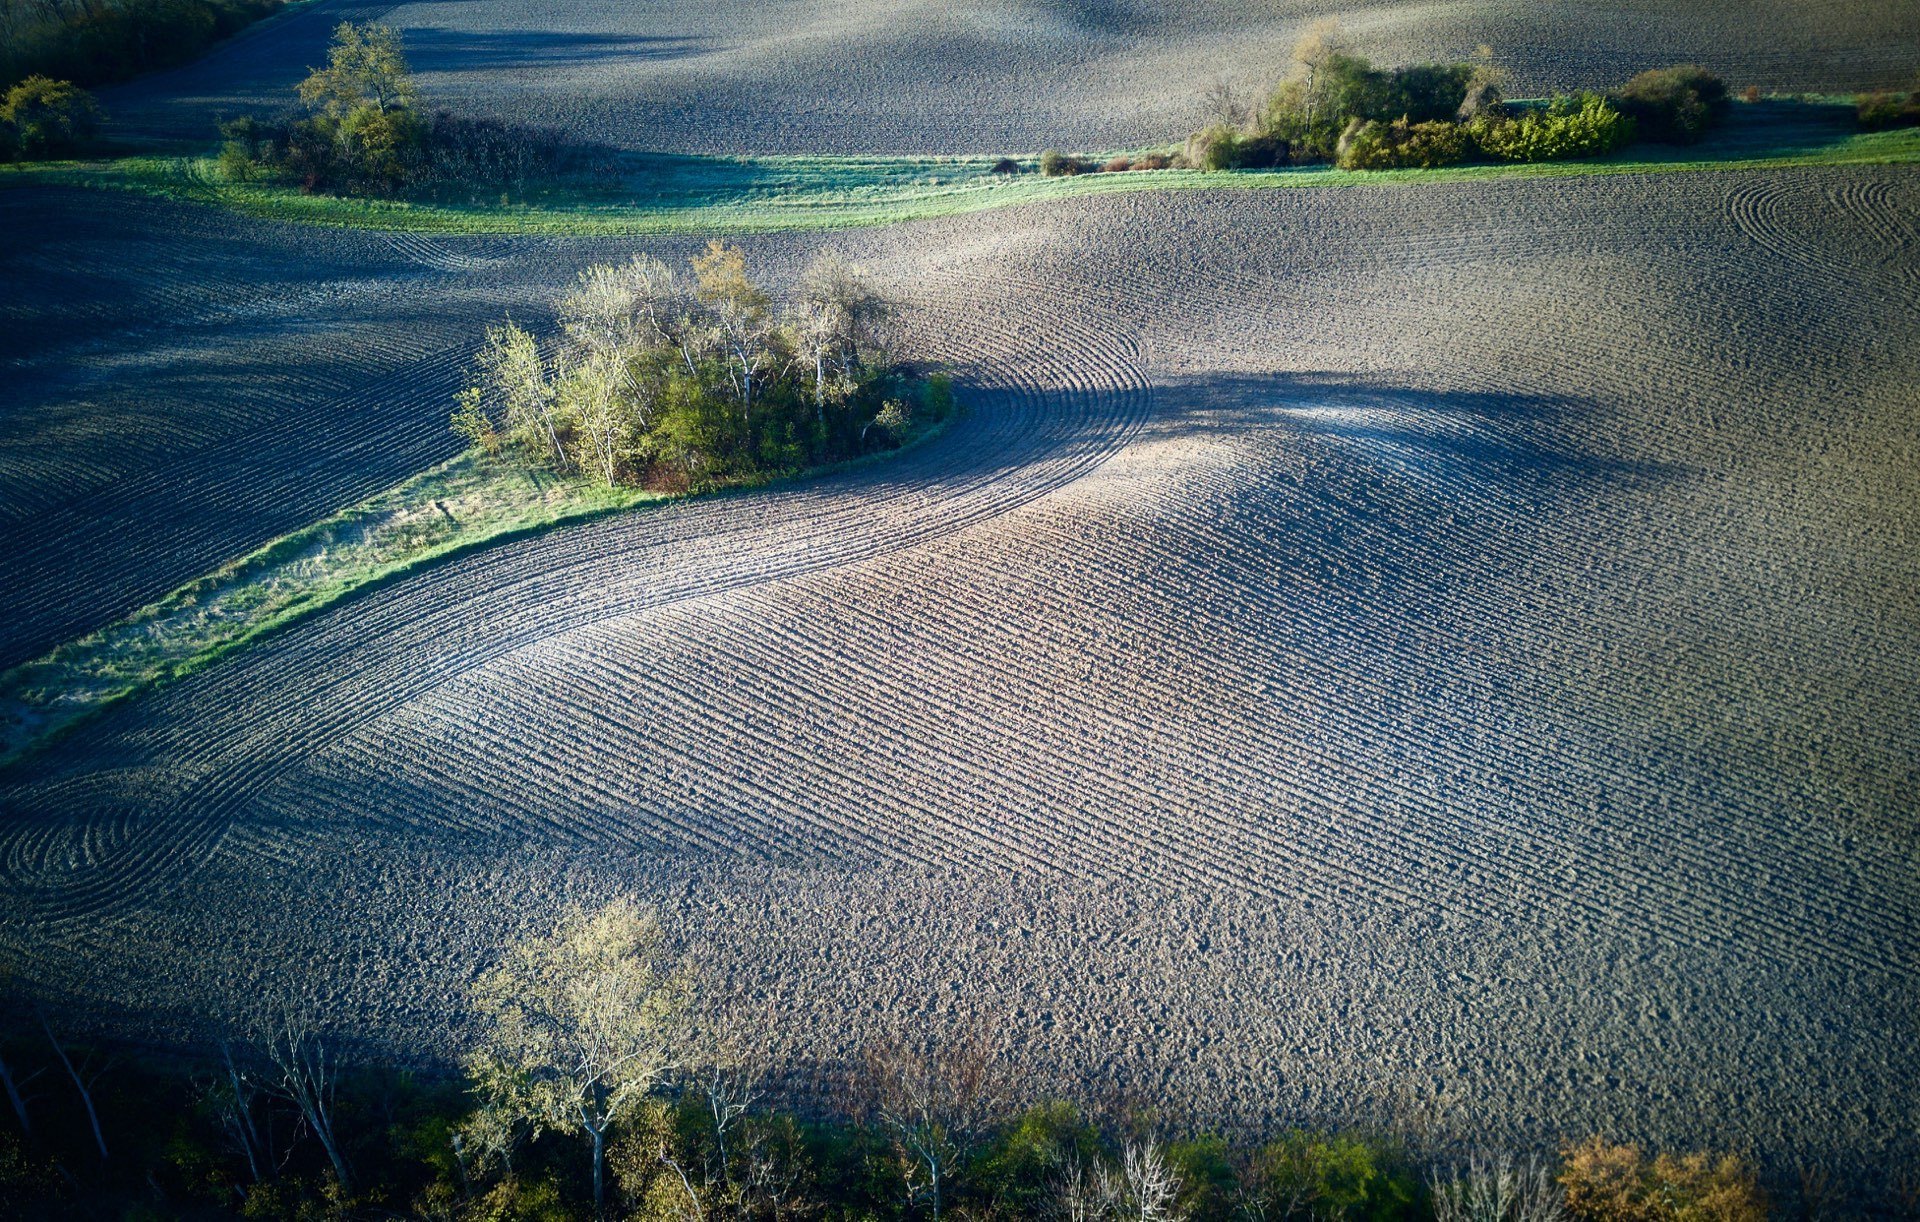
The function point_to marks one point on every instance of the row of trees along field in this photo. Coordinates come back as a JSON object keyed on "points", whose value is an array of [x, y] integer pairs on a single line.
{"points": [[683, 382], [1335, 106], [360, 129], [98, 42], [604, 1079]]}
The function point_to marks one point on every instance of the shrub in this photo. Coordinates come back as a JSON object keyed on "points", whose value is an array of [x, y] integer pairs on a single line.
{"points": [[1261, 152], [1616, 1183], [1880, 111], [1056, 164], [1585, 125], [1225, 148], [1371, 145], [1006, 165], [1674, 105], [45, 118], [1153, 161], [1750, 94], [1216, 148], [1117, 165], [1310, 111], [1316, 1175]]}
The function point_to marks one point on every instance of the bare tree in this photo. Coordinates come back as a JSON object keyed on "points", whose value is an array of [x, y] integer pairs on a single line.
{"points": [[1322, 41], [308, 1076], [936, 1102], [838, 321], [233, 1098], [1079, 1192], [83, 1084], [1151, 1188], [600, 397], [739, 310], [1497, 1189], [583, 1025], [1223, 106], [732, 1078]]}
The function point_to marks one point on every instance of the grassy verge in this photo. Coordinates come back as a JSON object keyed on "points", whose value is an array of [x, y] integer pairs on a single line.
{"points": [[662, 194], [456, 507]]}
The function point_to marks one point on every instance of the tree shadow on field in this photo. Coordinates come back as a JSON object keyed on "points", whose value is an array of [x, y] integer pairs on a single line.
{"points": [[1512, 438], [457, 51]]}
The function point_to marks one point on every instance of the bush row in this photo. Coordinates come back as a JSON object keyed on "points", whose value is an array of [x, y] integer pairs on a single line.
{"points": [[602, 1077], [1880, 111], [360, 131], [1335, 106]]}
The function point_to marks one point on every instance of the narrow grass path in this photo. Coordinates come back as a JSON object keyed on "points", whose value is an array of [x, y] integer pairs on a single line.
{"points": [[673, 194], [467, 503], [462, 505]]}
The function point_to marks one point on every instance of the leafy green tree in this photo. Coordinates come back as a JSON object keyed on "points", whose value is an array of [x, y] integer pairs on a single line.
{"points": [[1023, 1163], [1584, 125], [44, 118], [1303, 1174], [582, 1026], [366, 68], [1674, 105]]}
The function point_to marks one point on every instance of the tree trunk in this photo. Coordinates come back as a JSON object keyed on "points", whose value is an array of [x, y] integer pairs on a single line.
{"points": [[13, 1097], [599, 1165], [325, 1134], [243, 1114], [86, 1096]]}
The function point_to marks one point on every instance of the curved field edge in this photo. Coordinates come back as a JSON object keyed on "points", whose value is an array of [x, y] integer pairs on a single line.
{"points": [[712, 195], [461, 506]]}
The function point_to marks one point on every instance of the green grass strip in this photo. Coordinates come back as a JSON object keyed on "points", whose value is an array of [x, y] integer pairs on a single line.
{"points": [[454, 508], [463, 505], [665, 194]]}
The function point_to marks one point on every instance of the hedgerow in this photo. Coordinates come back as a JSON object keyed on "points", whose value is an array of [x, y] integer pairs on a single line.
{"points": [[1585, 125], [593, 1084], [1371, 145], [1674, 105]]}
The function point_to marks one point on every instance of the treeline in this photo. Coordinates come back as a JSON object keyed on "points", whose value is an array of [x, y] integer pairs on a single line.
{"points": [[601, 1080], [678, 382], [101, 42], [360, 129], [1335, 107]]}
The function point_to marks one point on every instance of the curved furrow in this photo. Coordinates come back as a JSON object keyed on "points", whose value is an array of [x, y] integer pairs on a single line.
{"points": [[1011, 449]]}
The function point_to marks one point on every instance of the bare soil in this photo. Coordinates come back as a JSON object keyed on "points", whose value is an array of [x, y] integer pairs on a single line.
{"points": [[1442, 655]]}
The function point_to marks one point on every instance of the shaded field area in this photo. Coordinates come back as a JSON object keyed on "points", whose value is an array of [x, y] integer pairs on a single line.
{"points": [[665, 193], [184, 385], [1441, 654], [809, 76]]}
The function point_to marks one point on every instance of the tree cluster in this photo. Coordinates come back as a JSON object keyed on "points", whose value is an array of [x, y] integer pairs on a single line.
{"points": [[99, 42], [42, 119], [1335, 106], [672, 380], [361, 130]]}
